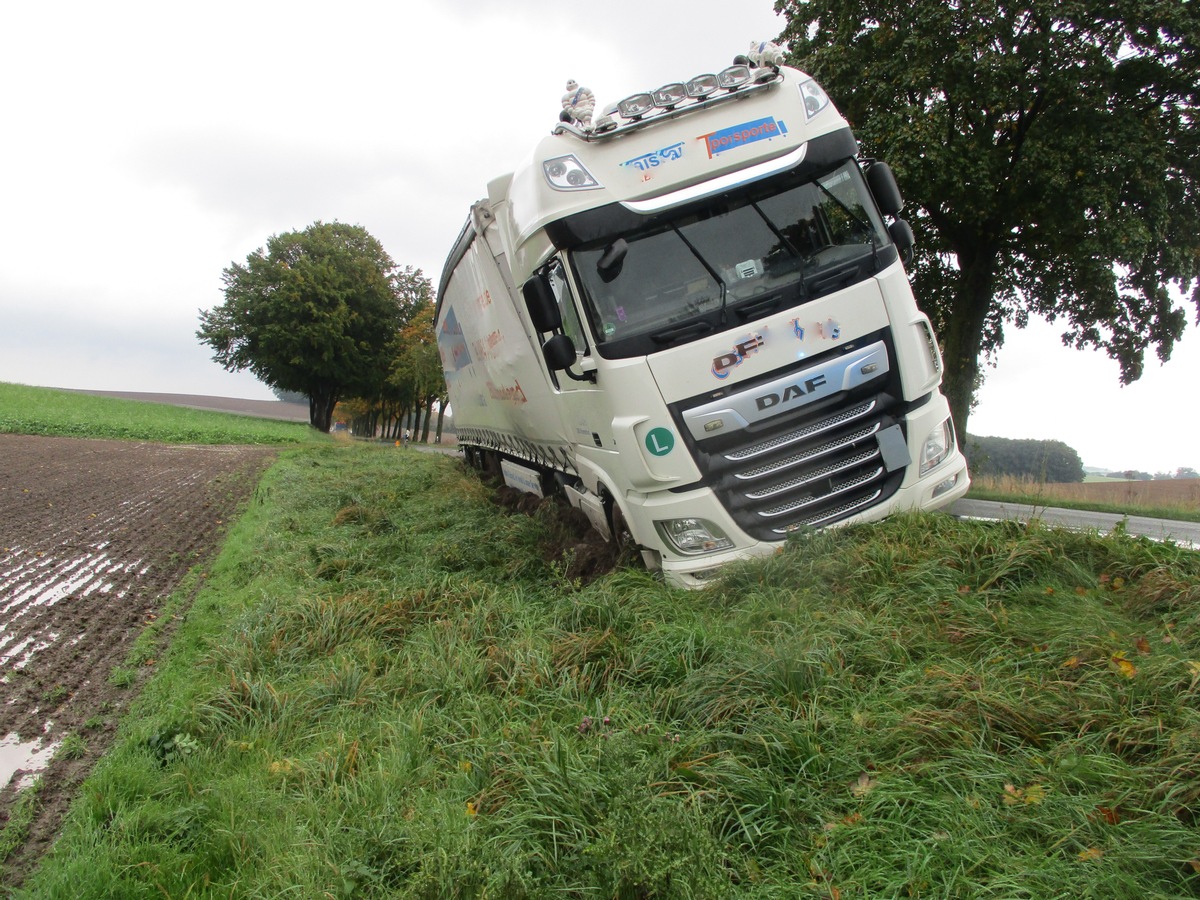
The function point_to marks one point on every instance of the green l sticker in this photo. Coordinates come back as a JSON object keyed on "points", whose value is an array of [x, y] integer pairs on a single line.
{"points": [[660, 441]]}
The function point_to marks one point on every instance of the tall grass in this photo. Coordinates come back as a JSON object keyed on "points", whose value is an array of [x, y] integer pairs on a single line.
{"points": [[45, 411], [1176, 498], [389, 689]]}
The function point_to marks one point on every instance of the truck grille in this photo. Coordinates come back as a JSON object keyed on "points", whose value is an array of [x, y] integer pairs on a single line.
{"points": [[807, 468]]}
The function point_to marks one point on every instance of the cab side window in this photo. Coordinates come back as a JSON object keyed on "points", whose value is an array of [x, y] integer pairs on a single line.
{"points": [[567, 308]]}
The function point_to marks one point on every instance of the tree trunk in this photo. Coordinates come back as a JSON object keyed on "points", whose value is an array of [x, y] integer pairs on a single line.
{"points": [[441, 419], [320, 408], [428, 419], [962, 335]]}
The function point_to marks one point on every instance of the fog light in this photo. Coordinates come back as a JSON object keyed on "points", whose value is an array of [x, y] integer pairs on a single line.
{"points": [[937, 447], [945, 485], [693, 537]]}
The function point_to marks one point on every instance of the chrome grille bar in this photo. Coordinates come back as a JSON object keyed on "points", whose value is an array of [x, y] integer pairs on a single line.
{"points": [[846, 509], [803, 434], [818, 475], [842, 488], [816, 453]]}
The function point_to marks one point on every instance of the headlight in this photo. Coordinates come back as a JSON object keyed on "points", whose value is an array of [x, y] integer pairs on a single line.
{"points": [[566, 173], [937, 446], [692, 537], [815, 98]]}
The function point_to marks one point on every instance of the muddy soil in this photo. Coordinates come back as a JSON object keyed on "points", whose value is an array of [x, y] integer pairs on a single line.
{"points": [[573, 543], [94, 537]]}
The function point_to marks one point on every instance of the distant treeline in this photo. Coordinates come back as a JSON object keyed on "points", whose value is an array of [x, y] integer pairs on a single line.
{"points": [[1043, 461], [1138, 475]]}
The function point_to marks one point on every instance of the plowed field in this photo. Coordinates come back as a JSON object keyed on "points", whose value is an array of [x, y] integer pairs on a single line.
{"points": [[94, 537]]}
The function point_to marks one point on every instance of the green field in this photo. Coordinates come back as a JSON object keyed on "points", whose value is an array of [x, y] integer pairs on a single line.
{"points": [[45, 411], [389, 686]]}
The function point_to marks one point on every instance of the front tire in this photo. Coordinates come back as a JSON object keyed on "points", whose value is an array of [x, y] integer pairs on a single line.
{"points": [[622, 538]]}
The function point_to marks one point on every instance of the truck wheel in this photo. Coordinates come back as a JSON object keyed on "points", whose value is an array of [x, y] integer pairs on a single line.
{"points": [[622, 537]]}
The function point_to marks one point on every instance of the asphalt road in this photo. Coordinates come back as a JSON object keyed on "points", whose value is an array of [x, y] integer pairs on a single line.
{"points": [[1160, 529]]}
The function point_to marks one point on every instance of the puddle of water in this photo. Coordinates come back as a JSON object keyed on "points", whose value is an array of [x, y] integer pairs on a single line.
{"points": [[28, 757], [30, 651]]}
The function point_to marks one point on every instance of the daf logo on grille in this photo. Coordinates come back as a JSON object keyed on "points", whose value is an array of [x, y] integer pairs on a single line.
{"points": [[791, 392], [740, 407]]}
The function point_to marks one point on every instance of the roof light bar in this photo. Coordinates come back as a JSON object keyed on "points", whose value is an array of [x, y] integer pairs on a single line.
{"points": [[754, 70]]}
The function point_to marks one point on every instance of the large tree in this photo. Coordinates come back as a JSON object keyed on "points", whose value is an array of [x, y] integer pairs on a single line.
{"points": [[314, 313], [1049, 151]]}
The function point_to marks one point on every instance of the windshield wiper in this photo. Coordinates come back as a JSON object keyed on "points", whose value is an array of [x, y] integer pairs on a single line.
{"points": [[691, 331]]}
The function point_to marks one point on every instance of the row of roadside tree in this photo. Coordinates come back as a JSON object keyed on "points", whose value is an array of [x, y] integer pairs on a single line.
{"points": [[327, 313]]}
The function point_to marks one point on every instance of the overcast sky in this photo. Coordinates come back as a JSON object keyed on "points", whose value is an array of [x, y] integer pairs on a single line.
{"points": [[146, 146]]}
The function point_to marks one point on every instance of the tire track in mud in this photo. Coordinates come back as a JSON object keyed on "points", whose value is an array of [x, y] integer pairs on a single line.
{"points": [[94, 536]]}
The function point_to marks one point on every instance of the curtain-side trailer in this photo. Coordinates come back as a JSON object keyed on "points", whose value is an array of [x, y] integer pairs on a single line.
{"points": [[690, 318]]}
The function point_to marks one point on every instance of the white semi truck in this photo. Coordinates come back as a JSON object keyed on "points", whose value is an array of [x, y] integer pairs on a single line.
{"points": [[690, 318]]}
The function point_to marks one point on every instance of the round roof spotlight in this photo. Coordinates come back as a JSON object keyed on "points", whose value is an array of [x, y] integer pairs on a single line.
{"points": [[702, 86], [635, 106], [734, 77], [670, 95]]}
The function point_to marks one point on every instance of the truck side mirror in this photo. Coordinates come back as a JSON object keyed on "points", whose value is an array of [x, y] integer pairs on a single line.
{"points": [[884, 189], [542, 306], [559, 353], [609, 265], [902, 237]]}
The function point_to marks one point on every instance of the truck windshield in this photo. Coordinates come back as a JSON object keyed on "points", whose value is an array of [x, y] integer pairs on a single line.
{"points": [[744, 255]]}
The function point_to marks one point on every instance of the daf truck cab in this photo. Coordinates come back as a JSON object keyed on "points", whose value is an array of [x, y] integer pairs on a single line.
{"points": [[689, 316]]}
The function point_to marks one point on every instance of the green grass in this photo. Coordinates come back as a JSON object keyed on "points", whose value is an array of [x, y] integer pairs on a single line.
{"points": [[45, 411], [385, 690], [16, 829]]}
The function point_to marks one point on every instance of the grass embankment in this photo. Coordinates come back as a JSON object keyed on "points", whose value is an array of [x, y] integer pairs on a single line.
{"points": [[46, 411], [1173, 499], [385, 690]]}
